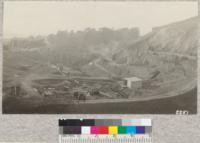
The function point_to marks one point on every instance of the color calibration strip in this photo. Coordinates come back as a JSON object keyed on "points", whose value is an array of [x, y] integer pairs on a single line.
{"points": [[105, 130], [112, 130]]}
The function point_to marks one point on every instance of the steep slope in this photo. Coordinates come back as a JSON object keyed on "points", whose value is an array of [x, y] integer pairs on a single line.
{"points": [[178, 39], [171, 49]]}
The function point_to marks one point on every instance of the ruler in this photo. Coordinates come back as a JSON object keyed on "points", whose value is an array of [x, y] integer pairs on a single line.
{"points": [[105, 139], [105, 131]]}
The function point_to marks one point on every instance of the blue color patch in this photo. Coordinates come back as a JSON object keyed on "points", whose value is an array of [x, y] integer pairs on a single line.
{"points": [[131, 130], [140, 130]]}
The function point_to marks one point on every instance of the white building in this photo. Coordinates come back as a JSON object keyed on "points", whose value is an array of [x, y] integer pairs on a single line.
{"points": [[133, 82]]}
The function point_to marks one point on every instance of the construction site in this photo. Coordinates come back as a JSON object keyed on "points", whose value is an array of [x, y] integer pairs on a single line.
{"points": [[64, 87], [71, 71]]}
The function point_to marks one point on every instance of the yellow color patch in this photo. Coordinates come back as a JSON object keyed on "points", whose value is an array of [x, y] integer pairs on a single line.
{"points": [[112, 130]]}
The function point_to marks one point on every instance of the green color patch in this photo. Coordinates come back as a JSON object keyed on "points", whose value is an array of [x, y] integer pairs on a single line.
{"points": [[121, 130]]}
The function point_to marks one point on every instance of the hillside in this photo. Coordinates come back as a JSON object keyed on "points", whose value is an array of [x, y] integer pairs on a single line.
{"points": [[167, 48], [180, 38], [49, 72]]}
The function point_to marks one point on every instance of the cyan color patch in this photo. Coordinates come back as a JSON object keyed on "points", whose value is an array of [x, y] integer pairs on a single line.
{"points": [[131, 130]]}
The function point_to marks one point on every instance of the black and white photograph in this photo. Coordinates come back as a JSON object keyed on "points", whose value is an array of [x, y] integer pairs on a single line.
{"points": [[73, 57]]}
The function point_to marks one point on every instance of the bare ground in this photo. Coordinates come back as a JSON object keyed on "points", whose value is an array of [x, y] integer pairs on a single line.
{"points": [[169, 105]]}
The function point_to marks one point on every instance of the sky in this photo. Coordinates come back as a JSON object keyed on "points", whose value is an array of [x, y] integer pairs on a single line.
{"points": [[32, 18]]}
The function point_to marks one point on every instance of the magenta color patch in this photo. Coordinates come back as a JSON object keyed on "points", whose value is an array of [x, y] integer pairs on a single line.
{"points": [[95, 130]]}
